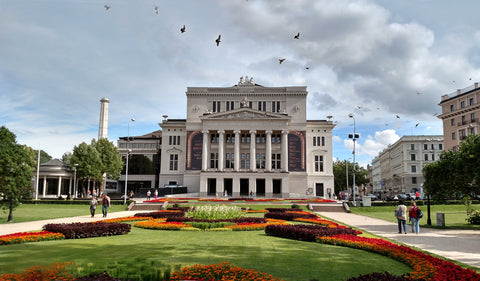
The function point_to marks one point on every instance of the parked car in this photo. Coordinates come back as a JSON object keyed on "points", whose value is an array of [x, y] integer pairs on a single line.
{"points": [[373, 197]]}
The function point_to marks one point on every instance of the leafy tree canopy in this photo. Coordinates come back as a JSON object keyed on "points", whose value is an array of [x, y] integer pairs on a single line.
{"points": [[340, 175], [17, 163]]}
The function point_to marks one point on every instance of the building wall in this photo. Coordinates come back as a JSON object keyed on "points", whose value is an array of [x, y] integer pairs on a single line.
{"points": [[460, 115]]}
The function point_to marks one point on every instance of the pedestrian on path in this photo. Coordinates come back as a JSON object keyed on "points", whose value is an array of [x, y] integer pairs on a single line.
{"points": [[401, 215], [148, 194], [93, 206], [105, 204], [414, 218]]}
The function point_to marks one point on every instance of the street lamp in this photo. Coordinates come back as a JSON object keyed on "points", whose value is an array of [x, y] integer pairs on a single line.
{"points": [[38, 175], [354, 137], [126, 168], [75, 180], [346, 170]]}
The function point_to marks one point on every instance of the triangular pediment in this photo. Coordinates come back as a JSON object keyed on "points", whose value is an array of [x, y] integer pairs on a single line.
{"points": [[245, 114]]}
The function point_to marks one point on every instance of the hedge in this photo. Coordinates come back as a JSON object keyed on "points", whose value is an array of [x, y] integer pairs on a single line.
{"points": [[88, 229]]}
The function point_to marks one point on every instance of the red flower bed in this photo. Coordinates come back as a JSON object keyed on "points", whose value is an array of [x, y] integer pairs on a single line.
{"points": [[88, 229], [22, 237], [290, 216], [305, 232], [162, 214]]}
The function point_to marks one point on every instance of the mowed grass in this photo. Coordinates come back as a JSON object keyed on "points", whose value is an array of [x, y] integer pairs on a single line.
{"points": [[283, 258], [31, 212], [455, 215]]}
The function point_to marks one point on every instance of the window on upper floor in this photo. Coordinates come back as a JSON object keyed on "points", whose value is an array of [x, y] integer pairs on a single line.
{"points": [[413, 157], [260, 161], [174, 140], [262, 105], [414, 180], [214, 138], [452, 121], [425, 146], [472, 117], [275, 106], [454, 136], [173, 162], [440, 146], [230, 105], [216, 106], [471, 101], [426, 157], [462, 104], [245, 161], [464, 120], [318, 163], [452, 107], [414, 168], [214, 160], [229, 160], [412, 146], [276, 161]]}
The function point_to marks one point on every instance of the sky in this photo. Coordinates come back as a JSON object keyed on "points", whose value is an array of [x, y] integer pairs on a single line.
{"points": [[387, 62]]}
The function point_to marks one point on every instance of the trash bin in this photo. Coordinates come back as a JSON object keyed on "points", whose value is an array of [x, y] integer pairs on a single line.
{"points": [[441, 219], [366, 201]]}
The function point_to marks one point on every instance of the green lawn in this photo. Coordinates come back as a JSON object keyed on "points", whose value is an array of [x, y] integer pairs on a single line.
{"points": [[283, 258], [455, 215]]}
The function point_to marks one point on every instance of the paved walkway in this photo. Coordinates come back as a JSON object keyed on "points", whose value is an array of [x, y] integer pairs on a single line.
{"points": [[459, 245]]}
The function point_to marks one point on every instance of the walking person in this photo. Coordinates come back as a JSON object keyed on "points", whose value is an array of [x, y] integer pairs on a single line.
{"points": [[401, 215], [414, 215], [105, 204], [93, 206], [148, 194], [156, 194]]}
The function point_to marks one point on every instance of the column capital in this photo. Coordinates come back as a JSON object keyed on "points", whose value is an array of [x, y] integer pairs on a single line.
{"points": [[252, 131], [268, 132], [284, 132], [221, 132], [205, 131], [237, 131]]}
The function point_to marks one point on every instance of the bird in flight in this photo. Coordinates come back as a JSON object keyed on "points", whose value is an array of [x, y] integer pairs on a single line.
{"points": [[396, 115], [218, 39], [418, 93], [281, 60], [297, 36], [182, 30], [416, 125], [307, 68], [106, 7], [156, 10]]}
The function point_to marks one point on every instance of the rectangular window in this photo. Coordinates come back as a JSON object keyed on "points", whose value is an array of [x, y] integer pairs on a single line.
{"points": [[275, 106], [173, 162], [323, 141], [454, 137], [414, 180], [412, 146], [440, 146], [250, 104], [276, 161], [314, 141], [227, 138], [426, 157], [245, 161], [318, 163], [433, 156], [214, 160], [216, 106], [462, 104], [472, 117], [229, 160], [260, 138], [229, 105], [260, 160], [262, 105], [471, 101], [433, 146], [464, 120], [414, 169], [452, 107], [178, 140], [452, 121], [412, 157], [425, 146], [170, 140]]}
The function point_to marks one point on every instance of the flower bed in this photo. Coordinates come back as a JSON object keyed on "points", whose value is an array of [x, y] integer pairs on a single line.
{"points": [[162, 214], [238, 220], [290, 215], [22, 237], [86, 230], [305, 232], [161, 225], [221, 271]]}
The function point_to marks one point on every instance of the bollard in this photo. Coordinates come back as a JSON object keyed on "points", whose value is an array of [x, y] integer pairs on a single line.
{"points": [[441, 219]]}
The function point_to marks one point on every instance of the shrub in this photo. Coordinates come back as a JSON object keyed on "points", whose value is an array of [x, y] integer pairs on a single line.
{"points": [[295, 206], [290, 216], [281, 210], [474, 217], [209, 225], [161, 214], [86, 230], [380, 277]]}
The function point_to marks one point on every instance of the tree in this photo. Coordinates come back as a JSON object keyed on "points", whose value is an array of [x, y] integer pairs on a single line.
{"points": [[89, 162], [111, 159], [17, 163], [455, 174], [44, 157], [340, 175]]}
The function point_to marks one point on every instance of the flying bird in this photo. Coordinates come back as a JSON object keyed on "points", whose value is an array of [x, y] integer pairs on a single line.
{"points": [[307, 68], [280, 61], [182, 30], [297, 36], [418, 93], [416, 125], [106, 7], [396, 115], [218, 39], [359, 107], [156, 10]]}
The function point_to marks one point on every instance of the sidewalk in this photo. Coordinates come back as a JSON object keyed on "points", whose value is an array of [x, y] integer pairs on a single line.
{"points": [[459, 245]]}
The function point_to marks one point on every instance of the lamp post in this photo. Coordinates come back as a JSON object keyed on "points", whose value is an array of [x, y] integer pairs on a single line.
{"points": [[354, 137], [38, 175], [126, 167], [75, 181]]}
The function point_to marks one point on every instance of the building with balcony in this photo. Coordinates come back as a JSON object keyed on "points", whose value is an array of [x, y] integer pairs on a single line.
{"points": [[460, 115], [245, 139], [398, 168]]}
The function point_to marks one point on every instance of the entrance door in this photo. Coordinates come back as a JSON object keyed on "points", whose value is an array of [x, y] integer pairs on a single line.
{"points": [[244, 187], [319, 189], [212, 187], [228, 186], [277, 186], [260, 187]]}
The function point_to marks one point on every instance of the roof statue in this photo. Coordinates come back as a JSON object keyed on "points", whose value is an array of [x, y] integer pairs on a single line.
{"points": [[246, 81]]}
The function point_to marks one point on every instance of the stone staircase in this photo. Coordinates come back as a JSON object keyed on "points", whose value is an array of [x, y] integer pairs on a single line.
{"points": [[334, 207], [148, 206]]}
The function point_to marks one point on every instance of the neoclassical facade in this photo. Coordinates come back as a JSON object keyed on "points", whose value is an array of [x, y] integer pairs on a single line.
{"points": [[247, 139]]}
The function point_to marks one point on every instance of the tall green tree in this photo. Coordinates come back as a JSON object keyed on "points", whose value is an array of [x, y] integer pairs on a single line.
{"points": [[112, 162], [340, 175], [89, 162], [44, 157], [17, 163], [469, 164]]}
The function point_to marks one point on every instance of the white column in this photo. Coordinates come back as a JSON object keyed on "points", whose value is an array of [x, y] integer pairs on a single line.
{"points": [[44, 186], [205, 151], [253, 159], [236, 164], [59, 188], [268, 152], [221, 154], [284, 155]]}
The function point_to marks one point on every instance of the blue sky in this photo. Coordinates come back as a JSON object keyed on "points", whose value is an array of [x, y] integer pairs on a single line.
{"points": [[375, 59]]}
